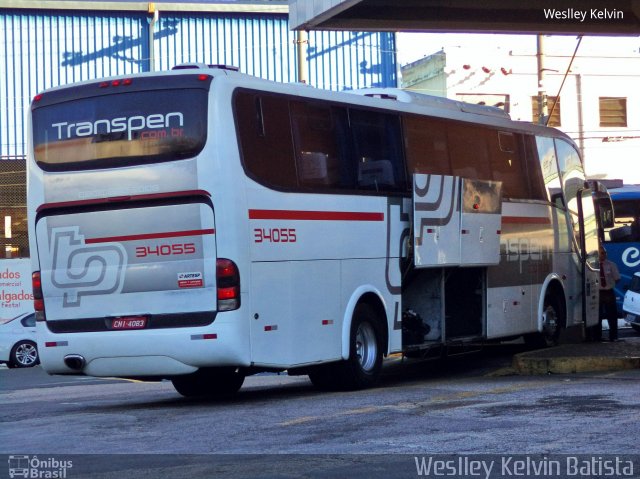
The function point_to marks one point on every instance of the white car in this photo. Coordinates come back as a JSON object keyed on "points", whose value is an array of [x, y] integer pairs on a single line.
{"points": [[18, 346], [631, 305]]}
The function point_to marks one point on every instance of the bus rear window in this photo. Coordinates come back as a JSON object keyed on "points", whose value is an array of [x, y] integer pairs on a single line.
{"points": [[120, 129]]}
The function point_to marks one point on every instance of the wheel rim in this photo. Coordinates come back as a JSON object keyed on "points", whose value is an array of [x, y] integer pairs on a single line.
{"points": [[366, 346], [549, 323], [26, 354]]}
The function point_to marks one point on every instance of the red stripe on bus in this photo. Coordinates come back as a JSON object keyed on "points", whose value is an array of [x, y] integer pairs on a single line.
{"points": [[525, 220], [314, 215], [113, 199], [169, 234]]}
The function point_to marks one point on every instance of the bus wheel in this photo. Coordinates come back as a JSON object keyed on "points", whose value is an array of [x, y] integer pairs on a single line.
{"points": [[324, 377], [214, 382], [551, 322], [552, 325], [363, 367]]}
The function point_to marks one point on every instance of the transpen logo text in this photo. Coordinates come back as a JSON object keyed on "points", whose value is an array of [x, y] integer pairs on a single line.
{"points": [[129, 124]]}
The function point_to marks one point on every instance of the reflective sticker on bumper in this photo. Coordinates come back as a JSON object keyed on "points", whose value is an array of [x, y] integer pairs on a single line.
{"points": [[190, 280]]}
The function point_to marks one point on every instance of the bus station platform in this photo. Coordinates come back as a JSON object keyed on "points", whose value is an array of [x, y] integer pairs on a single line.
{"points": [[581, 357]]}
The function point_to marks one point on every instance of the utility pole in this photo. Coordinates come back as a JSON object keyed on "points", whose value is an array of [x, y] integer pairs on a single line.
{"points": [[302, 42], [153, 11], [543, 110]]}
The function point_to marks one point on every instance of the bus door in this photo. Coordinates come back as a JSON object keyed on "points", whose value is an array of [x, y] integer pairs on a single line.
{"points": [[589, 241]]}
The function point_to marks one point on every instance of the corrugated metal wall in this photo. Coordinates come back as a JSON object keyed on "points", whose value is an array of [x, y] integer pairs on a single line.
{"points": [[45, 49], [41, 49], [349, 60], [259, 45]]}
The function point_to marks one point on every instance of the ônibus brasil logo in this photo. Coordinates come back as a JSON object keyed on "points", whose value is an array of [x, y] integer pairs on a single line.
{"points": [[34, 467], [129, 124]]}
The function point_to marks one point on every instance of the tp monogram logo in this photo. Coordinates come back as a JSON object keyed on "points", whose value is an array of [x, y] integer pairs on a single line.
{"points": [[84, 270]]}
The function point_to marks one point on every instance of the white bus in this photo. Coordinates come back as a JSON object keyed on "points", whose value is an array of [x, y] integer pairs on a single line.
{"points": [[202, 225]]}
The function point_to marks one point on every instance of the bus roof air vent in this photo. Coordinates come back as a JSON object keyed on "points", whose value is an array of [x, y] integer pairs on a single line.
{"points": [[384, 96], [430, 101], [196, 66]]}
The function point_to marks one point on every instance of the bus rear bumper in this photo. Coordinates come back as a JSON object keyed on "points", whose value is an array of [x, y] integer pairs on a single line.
{"points": [[160, 353], [137, 366]]}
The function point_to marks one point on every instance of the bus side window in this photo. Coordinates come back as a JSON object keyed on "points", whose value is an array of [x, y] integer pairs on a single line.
{"points": [[426, 145], [532, 168], [319, 148], [571, 173], [626, 226], [572, 177], [512, 163], [549, 167], [469, 151], [377, 145], [507, 164], [264, 135]]}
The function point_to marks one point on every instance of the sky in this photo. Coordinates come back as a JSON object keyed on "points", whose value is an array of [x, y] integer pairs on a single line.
{"points": [[413, 46]]}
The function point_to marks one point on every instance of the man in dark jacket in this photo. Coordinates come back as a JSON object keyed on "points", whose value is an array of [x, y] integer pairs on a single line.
{"points": [[609, 275]]}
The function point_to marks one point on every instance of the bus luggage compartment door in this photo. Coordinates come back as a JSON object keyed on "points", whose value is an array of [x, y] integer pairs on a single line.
{"points": [[480, 222], [149, 259], [456, 221]]}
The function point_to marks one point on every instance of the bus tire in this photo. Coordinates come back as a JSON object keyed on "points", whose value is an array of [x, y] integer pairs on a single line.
{"points": [[324, 377], [552, 321], [212, 382], [362, 369], [552, 325]]}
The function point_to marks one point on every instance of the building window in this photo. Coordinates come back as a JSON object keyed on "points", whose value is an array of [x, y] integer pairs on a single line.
{"points": [[555, 114], [613, 111]]}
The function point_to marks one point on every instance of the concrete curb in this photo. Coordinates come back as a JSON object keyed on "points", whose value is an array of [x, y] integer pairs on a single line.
{"points": [[525, 364]]}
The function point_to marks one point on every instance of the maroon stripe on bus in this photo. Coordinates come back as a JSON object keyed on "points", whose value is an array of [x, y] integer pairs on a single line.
{"points": [[112, 199], [525, 220], [168, 234], [314, 215]]}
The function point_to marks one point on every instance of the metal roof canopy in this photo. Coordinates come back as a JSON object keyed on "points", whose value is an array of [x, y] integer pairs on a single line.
{"points": [[590, 17], [223, 6]]}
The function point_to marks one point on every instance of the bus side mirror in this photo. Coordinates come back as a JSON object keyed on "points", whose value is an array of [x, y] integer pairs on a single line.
{"points": [[604, 207], [606, 213]]}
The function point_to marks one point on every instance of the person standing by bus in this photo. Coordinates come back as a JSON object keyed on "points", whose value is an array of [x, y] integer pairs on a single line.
{"points": [[609, 275], [635, 229]]}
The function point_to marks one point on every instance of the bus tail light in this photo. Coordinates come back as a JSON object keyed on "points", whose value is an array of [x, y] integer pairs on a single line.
{"points": [[107, 84], [38, 300], [228, 281]]}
